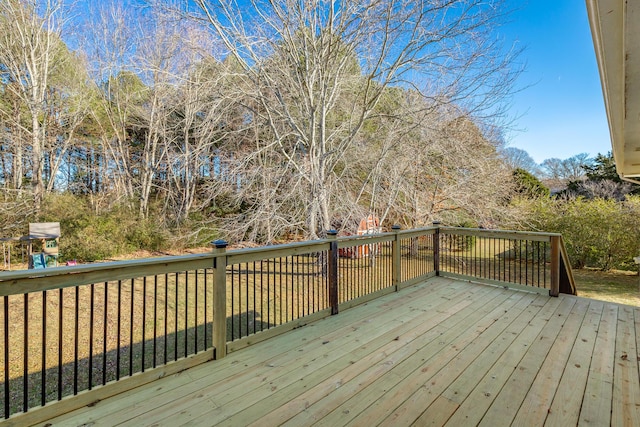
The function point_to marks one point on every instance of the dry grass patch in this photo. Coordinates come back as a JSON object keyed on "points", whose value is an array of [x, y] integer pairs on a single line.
{"points": [[622, 287]]}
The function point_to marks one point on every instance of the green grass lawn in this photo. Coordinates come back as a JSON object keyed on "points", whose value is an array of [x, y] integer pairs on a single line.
{"points": [[614, 286]]}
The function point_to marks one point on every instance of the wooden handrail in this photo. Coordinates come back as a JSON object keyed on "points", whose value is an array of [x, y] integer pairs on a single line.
{"points": [[501, 234], [21, 282]]}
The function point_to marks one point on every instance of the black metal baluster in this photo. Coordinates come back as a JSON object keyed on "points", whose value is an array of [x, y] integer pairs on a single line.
{"points": [[520, 261], [537, 263], [526, 262], [206, 288], [496, 274], [186, 313], [305, 288], [261, 294], [269, 293], [104, 335], [60, 329], [131, 307], [6, 357], [350, 289], [144, 319], [295, 291], [367, 284], [286, 266], [233, 302], [25, 355], [475, 256], [166, 316], [43, 379], [246, 279], [355, 264], [175, 341], [91, 324], [503, 266], [155, 320], [118, 330], [254, 299], [195, 328], [76, 340], [361, 274], [545, 266], [511, 244], [280, 293], [314, 282]]}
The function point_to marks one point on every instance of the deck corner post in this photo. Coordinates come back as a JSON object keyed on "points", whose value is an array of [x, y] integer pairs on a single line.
{"points": [[220, 299], [332, 269], [436, 248], [396, 269], [555, 266]]}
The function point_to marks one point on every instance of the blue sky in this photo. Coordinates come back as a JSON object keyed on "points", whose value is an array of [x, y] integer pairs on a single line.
{"points": [[562, 113]]}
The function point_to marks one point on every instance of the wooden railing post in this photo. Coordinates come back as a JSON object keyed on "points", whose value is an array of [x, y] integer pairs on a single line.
{"points": [[332, 269], [220, 299], [436, 248], [555, 266], [396, 266]]}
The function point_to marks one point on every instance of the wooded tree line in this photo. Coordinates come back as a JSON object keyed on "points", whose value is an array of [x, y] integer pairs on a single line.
{"points": [[261, 120]]}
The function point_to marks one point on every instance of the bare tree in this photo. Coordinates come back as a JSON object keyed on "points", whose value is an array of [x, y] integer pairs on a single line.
{"points": [[517, 158], [153, 103], [318, 70], [566, 170], [603, 189], [195, 131], [31, 51], [425, 165], [455, 175], [110, 44]]}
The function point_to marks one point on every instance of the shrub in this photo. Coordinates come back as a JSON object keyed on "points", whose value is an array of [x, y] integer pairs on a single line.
{"points": [[598, 233], [89, 236]]}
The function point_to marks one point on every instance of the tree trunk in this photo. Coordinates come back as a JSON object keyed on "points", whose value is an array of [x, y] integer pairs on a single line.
{"points": [[37, 160]]}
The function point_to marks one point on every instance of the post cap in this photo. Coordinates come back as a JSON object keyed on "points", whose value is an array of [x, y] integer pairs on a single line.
{"points": [[436, 223], [332, 232], [220, 244], [396, 227]]}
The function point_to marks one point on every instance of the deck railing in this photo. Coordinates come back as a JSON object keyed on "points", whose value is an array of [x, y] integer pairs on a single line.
{"points": [[533, 260], [69, 331]]}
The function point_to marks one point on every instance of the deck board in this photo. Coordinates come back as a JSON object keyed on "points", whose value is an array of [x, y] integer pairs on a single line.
{"points": [[444, 352], [596, 408], [472, 409], [565, 408], [626, 393], [537, 402]]}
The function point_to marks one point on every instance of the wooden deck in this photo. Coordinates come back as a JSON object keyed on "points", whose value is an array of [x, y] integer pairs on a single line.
{"points": [[441, 353]]}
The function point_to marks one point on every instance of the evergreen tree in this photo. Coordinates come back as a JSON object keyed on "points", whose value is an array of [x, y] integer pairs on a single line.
{"points": [[603, 167], [528, 185]]}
